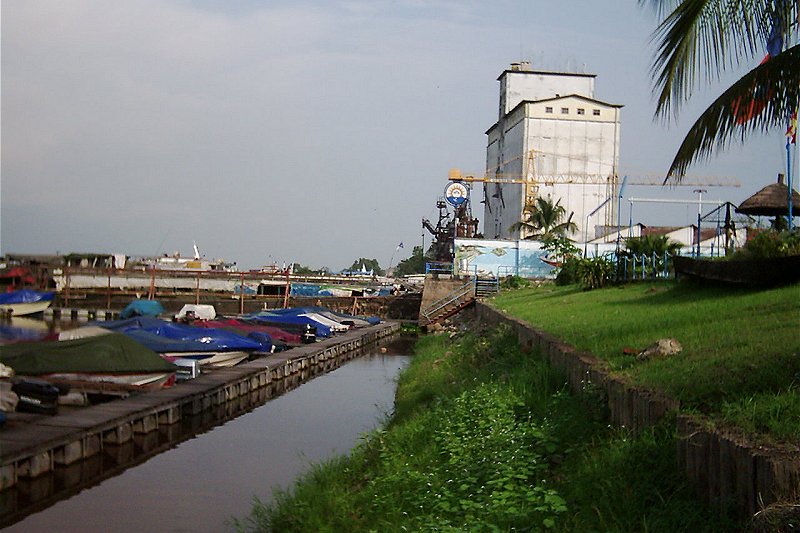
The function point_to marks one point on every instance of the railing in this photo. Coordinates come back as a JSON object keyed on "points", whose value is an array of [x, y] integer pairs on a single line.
{"points": [[486, 287], [457, 295], [437, 267], [642, 266]]}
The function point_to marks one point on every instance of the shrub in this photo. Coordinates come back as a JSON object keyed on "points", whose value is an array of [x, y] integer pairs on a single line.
{"points": [[595, 272], [514, 282], [568, 274], [771, 244]]}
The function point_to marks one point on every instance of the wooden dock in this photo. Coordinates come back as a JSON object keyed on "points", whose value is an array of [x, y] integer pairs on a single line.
{"points": [[33, 445]]}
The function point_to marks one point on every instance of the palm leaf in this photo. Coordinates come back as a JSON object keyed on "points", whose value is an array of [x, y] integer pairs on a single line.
{"points": [[702, 37], [778, 83]]}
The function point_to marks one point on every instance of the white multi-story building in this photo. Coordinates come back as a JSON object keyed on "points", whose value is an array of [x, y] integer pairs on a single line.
{"points": [[552, 138]]}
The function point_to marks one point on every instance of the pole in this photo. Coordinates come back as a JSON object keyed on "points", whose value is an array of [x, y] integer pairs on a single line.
{"points": [[789, 178], [699, 215]]}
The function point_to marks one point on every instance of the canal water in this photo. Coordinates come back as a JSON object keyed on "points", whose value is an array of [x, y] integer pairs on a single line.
{"points": [[204, 482]]}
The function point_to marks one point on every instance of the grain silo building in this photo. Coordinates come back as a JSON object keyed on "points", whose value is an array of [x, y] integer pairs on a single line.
{"points": [[552, 138]]}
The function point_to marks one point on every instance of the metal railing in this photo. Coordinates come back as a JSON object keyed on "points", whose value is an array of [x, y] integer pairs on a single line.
{"points": [[437, 267], [642, 266]]}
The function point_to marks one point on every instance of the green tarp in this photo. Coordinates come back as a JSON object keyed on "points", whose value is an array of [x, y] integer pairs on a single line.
{"points": [[112, 353]]}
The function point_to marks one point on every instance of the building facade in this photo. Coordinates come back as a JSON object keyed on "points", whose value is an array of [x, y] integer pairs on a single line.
{"points": [[552, 139]]}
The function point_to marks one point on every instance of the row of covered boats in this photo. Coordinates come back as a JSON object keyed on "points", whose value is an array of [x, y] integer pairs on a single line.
{"points": [[145, 351]]}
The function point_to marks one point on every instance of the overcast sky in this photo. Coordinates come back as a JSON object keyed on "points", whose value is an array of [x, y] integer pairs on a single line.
{"points": [[297, 131]]}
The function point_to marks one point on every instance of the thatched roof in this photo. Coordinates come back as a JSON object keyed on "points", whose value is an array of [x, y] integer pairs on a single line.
{"points": [[771, 201]]}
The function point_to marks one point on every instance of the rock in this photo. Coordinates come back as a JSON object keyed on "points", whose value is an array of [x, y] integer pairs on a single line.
{"points": [[661, 348]]}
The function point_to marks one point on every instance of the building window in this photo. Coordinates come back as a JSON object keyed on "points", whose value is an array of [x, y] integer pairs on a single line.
{"points": [[596, 112], [548, 109], [564, 110], [580, 111]]}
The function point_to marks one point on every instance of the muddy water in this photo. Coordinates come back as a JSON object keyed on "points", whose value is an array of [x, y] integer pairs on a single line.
{"points": [[201, 483]]}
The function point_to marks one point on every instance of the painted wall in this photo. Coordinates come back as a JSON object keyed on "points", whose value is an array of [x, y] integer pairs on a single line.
{"points": [[510, 257]]}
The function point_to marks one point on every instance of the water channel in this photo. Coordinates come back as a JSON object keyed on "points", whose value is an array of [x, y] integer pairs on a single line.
{"points": [[202, 482]]}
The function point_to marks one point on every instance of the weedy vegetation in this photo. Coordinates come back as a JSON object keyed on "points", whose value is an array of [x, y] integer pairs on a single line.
{"points": [[484, 437]]}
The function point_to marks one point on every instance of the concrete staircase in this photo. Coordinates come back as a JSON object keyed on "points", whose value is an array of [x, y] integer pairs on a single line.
{"points": [[451, 296]]}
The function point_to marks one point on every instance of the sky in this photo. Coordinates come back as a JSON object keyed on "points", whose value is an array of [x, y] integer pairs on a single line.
{"points": [[303, 131]]}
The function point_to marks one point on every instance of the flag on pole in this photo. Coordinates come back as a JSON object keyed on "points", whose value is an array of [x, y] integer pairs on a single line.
{"points": [[791, 131], [746, 110]]}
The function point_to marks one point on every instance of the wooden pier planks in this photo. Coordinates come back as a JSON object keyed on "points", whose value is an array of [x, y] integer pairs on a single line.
{"points": [[33, 445]]}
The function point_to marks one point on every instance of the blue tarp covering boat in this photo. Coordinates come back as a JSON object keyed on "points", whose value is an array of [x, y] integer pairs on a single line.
{"points": [[25, 296], [142, 308], [323, 330], [169, 337]]}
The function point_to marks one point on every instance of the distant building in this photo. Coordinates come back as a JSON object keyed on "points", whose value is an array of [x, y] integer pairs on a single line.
{"points": [[552, 138]]}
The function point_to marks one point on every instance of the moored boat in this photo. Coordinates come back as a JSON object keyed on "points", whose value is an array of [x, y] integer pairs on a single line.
{"points": [[112, 358], [208, 346], [25, 302]]}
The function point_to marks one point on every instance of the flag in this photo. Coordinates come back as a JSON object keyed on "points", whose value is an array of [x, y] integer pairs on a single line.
{"points": [[399, 246], [791, 131], [753, 106]]}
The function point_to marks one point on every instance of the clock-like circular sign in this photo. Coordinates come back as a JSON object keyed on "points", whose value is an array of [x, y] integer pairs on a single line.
{"points": [[456, 194]]}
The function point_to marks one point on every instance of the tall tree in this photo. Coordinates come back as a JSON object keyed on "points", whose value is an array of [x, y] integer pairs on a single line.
{"points": [[412, 265], [370, 264], [544, 219], [699, 39]]}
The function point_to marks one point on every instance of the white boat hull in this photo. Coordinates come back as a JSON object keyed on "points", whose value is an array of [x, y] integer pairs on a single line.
{"points": [[209, 359], [22, 309]]}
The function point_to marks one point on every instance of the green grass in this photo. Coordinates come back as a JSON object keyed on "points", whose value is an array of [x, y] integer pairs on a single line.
{"points": [[485, 438], [741, 348]]}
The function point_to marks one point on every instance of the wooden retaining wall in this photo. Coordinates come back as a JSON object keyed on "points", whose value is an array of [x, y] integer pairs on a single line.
{"points": [[724, 467], [41, 444]]}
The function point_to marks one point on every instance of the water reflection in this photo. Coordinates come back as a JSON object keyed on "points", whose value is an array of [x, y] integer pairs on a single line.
{"points": [[171, 480]]}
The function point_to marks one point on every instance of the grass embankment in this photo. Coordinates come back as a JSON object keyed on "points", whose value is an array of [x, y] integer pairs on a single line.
{"points": [[485, 438], [741, 348]]}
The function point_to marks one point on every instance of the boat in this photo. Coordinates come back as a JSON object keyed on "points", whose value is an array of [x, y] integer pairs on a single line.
{"points": [[210, 347], [302, 316], [112, 358], [553, 261], [25, 302], [279, 337]]}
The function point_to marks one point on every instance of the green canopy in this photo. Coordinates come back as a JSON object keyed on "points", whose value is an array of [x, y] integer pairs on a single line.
{"points": [[108, 354]]}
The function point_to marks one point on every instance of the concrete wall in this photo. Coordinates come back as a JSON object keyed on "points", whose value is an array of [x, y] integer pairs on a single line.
{"points": [[439, 287]]}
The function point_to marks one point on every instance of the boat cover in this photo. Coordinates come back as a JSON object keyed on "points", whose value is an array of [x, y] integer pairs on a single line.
{"points": [[276, 318], [25, 296], [114, 353], [203, 311], [240, 327], [162, 336], [142, 308]]}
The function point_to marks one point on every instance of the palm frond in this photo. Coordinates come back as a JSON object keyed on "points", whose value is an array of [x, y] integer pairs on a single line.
{"points": [[702, 37], [777, 84]]}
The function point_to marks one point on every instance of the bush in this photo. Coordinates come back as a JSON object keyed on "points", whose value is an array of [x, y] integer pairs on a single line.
{"points": [[514, 282], [595, 272], [568, 274], [771, 244]]}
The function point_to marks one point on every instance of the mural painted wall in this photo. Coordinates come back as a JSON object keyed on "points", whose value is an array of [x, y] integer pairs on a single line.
{"points": [[511, 258]]}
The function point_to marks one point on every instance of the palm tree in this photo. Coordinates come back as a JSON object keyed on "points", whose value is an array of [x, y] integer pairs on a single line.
{"points": [[707, 36], [544, 219]]}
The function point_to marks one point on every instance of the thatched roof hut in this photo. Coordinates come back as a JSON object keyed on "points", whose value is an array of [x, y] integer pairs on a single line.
{"points": [[771, 201]]}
